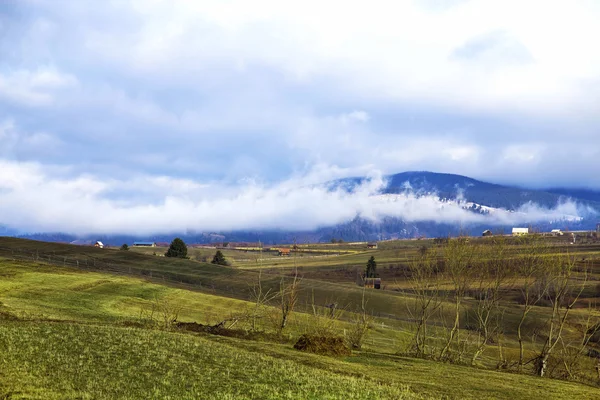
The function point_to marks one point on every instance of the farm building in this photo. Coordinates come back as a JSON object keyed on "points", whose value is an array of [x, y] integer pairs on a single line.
{"points": [[99, 244], [144, 244], [284, 252], [487, 232], [556, 232], [520, 231], [372, 245], [371, 283]]}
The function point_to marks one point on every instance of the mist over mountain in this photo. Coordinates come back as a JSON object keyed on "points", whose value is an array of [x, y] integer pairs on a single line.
{"points": [[408, 205]]}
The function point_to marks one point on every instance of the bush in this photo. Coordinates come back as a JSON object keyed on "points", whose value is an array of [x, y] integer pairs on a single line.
{"points": [[323, 345], [125, 247]]}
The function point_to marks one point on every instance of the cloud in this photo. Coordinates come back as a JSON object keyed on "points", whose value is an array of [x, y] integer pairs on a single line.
{"points": [[32, 200], [34, 88], [219, 93], [493, 49], [16, 143]]}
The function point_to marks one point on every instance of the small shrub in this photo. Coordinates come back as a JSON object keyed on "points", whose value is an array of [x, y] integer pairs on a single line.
{"points": [[323, 345]]}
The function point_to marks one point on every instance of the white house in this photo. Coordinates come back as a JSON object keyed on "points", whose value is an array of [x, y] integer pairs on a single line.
{"points": [[520, 231], [99, 244], [556, 232]]}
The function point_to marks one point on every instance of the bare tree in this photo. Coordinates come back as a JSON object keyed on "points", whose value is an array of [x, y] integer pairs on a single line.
{"points": [[167, 310], [361, 323], [323, 319], [587, 326], [459, 255], [261, 297], [530, 268], [288, 294], [288, 297], [492, 276], [562, 294], [424, 281]]}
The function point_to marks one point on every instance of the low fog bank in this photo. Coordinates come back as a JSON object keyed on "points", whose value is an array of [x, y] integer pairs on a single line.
{"points": [[32, 200]]}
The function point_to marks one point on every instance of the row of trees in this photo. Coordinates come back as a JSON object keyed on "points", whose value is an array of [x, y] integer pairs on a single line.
{"points": [[467, 297]]}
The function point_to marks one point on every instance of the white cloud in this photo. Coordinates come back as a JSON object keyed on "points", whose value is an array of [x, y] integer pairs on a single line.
{"points": [[34, 200], [15, 142], [34, 88], [394, 50], [354, 116], [225, 90]]}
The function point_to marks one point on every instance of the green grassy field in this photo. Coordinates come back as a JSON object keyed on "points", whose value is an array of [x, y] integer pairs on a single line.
{"points": [[68, 316], [60, 361]]}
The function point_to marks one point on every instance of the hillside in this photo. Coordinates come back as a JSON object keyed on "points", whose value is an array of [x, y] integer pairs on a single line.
{"points": [[69, 332]]}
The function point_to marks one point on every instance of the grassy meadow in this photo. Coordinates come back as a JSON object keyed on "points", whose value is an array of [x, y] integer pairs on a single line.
{"points": [[70, 328]]}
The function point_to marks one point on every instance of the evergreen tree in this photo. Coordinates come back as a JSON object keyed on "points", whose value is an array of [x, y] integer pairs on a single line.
{"points": [[177, 249], [219, 258], [371, 271], [124, 247]]}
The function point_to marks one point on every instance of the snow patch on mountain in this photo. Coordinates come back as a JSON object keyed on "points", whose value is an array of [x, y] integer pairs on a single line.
{"points": [[529, 212]]}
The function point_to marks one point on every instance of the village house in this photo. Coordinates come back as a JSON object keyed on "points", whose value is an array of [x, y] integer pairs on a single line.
{"points": [[99, 244], [487, 232], [372, 245]]}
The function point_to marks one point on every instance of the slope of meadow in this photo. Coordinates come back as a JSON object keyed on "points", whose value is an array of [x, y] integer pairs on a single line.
{"points": [[67, 333]]}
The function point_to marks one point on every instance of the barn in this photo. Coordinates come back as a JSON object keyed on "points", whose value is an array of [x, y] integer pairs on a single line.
{"points": [[284, 252], [144, 244]]}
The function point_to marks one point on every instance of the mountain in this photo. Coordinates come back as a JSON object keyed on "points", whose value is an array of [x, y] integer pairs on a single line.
{"points": [[443, 190], [582, 194], [450, 186]]}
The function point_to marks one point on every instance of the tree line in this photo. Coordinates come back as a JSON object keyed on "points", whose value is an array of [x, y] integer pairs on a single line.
{"points": [[468, 299]]}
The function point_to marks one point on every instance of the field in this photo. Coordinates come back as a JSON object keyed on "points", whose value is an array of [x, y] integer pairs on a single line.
{"points": [[79, 322]]}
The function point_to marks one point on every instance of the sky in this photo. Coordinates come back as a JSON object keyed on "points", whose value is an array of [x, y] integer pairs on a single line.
{"points": [[158, 115]]}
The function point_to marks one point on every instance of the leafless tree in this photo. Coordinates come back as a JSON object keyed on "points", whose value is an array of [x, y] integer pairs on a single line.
{"points": [[424, 281], [492, 276], [531, 267], [288, 297], [361, 323], [166, 309], [261, 297], [563, 293], [288, 294], [459, 255], [572, 352]]}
